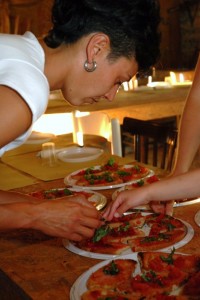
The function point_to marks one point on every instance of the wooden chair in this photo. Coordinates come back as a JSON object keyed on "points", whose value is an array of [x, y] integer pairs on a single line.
{"points": [[147, 137]]}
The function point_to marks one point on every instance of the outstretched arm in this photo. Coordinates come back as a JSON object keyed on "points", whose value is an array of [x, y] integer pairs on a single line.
{"points": [[72, 219], [173, 188], [189, 133]]}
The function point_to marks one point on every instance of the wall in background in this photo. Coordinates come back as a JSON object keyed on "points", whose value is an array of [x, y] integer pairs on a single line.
{"points": [[180, 28]]}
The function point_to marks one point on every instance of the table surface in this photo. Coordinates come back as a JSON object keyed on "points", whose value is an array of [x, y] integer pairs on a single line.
{"points": [[36, 266], [140, 104], [42, 268]]}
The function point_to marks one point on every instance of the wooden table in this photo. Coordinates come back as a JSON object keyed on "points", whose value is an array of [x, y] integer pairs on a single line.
{"points": [[140, 104], [36, 266]]}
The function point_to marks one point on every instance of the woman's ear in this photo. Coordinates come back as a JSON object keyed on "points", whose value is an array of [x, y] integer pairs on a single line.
{"points": [[98, 46]]}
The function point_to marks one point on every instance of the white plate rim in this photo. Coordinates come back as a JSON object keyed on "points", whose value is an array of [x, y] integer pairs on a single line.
{"points": [[71, 182], [197, 218], [95, 153], [71, 247], [79, 286]]}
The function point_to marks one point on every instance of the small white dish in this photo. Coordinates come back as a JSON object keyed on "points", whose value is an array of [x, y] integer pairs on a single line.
{"points": [[79, 154]]}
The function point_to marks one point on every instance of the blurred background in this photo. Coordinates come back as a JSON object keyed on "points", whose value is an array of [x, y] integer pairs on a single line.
{"points": [[180, 27]]}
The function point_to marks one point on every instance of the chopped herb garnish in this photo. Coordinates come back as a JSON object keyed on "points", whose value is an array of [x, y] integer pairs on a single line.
{"points": [[88, 171], [169, 259], [100, 233], [159, 237], [136, 167], [123, 173], [152, 277], [111, 161], [111, 269], [124, 227], [67, 192], [140, 182], [170, 227]]}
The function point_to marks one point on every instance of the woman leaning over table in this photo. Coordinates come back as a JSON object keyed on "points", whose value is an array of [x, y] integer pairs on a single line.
{"points": [[183, 182], [93, 47]]}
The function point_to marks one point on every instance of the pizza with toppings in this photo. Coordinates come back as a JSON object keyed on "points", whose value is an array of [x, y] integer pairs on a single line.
{"points": [[97, 199], [109, 174], [135, 232], [146, 276]]}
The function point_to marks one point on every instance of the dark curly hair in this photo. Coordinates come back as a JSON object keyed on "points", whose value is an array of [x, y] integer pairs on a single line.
{"points": [[132, 26]]}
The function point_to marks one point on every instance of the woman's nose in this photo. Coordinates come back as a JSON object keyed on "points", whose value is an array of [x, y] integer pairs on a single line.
{"points": [[112, 93]]}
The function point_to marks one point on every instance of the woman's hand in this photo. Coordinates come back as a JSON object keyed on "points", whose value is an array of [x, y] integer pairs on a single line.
{"points": [[133, 198], [126, 200], [162, 207], [73, 218]]}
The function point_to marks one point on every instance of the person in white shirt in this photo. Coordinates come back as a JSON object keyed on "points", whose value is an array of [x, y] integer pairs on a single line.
{"points": [[93, 46]]}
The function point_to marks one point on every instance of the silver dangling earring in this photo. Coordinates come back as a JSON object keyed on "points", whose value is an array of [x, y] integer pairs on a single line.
{"points": [[92, 68]]}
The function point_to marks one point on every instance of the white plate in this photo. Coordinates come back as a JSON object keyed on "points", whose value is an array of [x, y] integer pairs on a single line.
{"points": [[186, 202], [197, 218], [71, 247], [79, 286], [79, 154], [97, 199], [69, 181], [39, 138]]}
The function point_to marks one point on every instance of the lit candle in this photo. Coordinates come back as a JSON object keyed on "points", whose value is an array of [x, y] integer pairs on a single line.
{"points": [[79, 136], [125, 86], [173, 77], [154, 72], [149, 79], [135, 84], [181, 77], [116, 137], [130, 84]]}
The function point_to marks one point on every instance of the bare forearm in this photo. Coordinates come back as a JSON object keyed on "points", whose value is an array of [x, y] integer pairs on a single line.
{"points": [[189, 133], [173, 188], [14, 197], [73, 219], [16, 215]]}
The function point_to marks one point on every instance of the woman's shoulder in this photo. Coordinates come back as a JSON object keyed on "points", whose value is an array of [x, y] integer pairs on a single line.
{"points": [[24, 47]]}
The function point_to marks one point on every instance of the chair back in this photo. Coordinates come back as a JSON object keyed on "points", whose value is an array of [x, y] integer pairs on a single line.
{"points": [[150, 138]]}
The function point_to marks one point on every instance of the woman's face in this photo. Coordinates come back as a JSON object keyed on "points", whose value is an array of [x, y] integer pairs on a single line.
{"points": [[89, 87]]}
